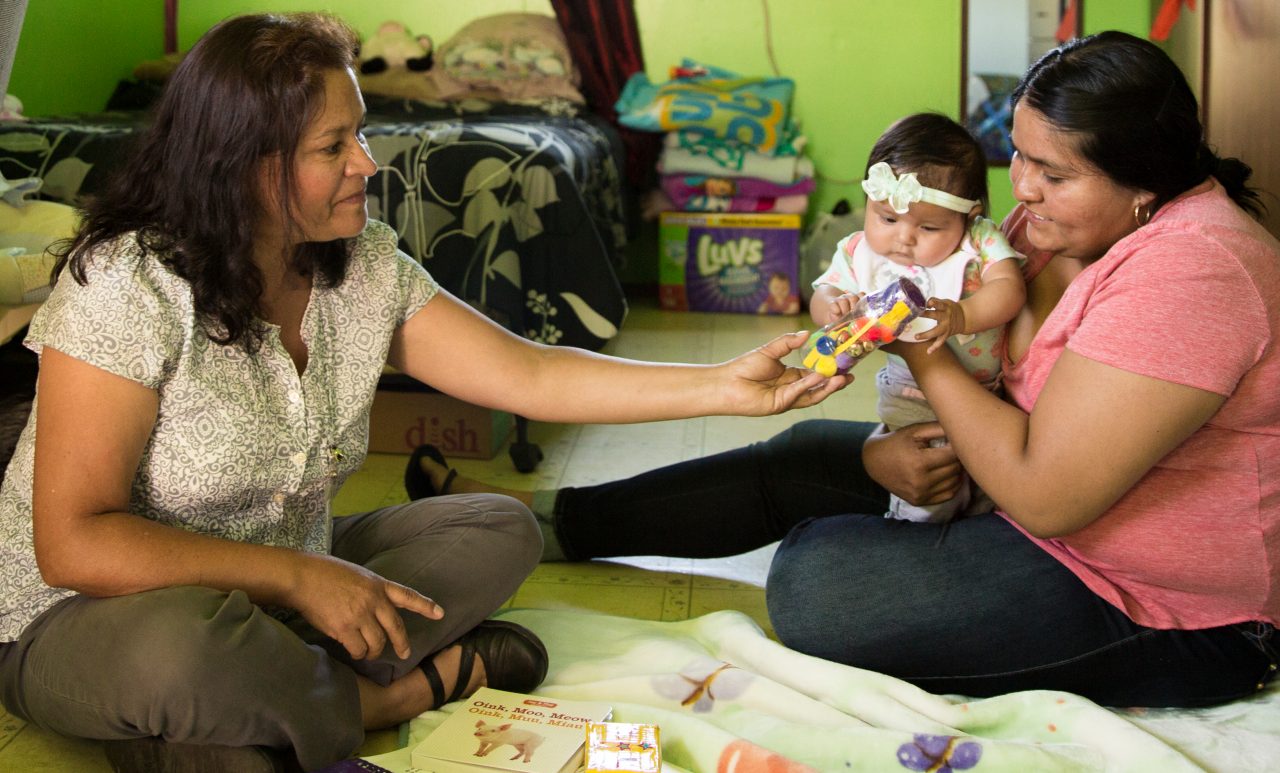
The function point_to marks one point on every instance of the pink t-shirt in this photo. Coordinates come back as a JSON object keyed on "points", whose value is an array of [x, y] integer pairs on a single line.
{"points": [[1192, 298]]}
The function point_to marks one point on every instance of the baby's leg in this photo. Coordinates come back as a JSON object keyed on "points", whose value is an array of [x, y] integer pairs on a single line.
{"points": [[902, 404], [939, 513]]}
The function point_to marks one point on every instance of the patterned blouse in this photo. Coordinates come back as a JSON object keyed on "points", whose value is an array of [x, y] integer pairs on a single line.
{"points": [[243, 448]]}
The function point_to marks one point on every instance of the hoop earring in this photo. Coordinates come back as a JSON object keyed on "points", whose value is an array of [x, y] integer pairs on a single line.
{"points": [[1140, 217]]}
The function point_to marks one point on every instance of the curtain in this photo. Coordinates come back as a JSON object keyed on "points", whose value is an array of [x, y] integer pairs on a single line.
{"points": [[11, 16], [605, 43], [171, 26]]}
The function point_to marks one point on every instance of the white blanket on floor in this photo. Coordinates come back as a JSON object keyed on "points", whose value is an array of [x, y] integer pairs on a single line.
{"points": [[773, 709]]}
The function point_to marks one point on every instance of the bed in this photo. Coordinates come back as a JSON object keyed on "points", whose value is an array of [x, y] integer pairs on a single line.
{"points": [[517, 208]]}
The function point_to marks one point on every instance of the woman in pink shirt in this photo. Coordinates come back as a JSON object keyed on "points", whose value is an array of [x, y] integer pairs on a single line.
{"points": [[1135, 554]]}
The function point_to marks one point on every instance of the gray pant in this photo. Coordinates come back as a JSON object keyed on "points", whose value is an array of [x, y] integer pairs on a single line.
{"points": [[196, 665]]}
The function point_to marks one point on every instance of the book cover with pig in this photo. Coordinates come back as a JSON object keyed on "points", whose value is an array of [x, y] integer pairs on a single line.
{"points": [[497, 730]]}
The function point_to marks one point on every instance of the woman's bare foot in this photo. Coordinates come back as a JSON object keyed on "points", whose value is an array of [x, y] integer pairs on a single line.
{"points": [[461, 484], [447, 662], [438, 474], [411, 694]]}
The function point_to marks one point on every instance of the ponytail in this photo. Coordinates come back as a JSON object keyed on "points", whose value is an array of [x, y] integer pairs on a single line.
{"points": [[1232, 173]]}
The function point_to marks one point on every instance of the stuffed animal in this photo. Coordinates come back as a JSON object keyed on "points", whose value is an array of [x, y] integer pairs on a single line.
{"points": [[11, 109], [392, 46]]}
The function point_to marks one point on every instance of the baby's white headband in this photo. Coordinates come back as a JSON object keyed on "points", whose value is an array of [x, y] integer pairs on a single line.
{"points": [[901, 192]]}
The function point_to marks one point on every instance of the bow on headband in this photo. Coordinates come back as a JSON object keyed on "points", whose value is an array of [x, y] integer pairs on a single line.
{"points": [[901, 192]]}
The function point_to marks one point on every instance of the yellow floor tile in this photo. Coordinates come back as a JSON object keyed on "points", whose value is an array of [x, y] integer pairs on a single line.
{"points": [[641, 602], [33, 750], [605, 573], [10, 726]]}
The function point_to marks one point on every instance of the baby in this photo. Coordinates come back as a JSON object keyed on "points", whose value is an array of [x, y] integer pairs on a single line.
{"points": [[926, 185]]}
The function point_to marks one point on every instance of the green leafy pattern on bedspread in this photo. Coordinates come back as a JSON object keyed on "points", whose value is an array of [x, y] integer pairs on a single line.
{"points": [[518, 211]]}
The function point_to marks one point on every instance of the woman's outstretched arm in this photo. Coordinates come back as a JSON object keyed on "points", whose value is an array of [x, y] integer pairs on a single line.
{"points": [[455, 349]]}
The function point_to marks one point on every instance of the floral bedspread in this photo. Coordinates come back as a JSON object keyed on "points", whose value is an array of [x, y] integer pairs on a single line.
{"points": [[727, 698], [518, 211]]}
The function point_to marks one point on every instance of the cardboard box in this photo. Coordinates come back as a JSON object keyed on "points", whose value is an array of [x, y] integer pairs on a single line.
{"points": [[745, 263], [405, 417]]}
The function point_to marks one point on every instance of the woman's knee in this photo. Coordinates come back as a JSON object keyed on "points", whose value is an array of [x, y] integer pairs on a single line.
{"points": [[798, 585], [498, 528], [835, 585], [518, 540]]}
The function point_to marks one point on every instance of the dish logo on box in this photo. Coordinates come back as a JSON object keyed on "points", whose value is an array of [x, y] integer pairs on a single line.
{"points": [[457, 438]]}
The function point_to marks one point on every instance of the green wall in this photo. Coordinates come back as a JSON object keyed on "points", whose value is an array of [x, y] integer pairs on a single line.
{"points": [[858, 64], [73, 52], [437, 18]]}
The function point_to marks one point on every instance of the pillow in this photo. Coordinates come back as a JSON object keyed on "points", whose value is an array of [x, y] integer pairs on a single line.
{"points": [[25, 232], [405, 84], [511, 56]]}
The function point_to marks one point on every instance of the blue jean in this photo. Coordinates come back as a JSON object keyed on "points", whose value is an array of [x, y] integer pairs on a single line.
{"points": [[970, 607]]}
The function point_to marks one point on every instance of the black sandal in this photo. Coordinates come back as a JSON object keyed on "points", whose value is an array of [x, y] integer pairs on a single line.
{"points": [[417, 482], [514, 660]]}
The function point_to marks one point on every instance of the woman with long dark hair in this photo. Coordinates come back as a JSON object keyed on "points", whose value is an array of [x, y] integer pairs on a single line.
{"points": [[170, 577]]}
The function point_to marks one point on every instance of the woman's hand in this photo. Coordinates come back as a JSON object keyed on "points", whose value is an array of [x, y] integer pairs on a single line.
{"points": [[356, 607], [907, 464], [760, 385]]}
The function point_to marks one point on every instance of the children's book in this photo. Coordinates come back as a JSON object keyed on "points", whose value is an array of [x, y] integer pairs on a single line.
{"points": [[496, 730]]}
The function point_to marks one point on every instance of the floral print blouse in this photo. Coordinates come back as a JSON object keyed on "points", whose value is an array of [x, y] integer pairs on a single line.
{"points": [[244, 447]]}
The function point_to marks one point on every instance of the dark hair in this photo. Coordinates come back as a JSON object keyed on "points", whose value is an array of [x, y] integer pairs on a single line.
{"points": [[190, 187], [1134, 116], [942, 153]]}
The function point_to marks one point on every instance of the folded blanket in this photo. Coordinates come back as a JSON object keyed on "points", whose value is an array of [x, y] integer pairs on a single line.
{"points": [[726, 162], [700, 193], [693, 184], [791, 143], [785, 205], [752, 111], [727, 698]]}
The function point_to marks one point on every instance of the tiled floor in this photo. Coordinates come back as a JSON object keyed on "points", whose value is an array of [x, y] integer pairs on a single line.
{"points": [[652, 588]]}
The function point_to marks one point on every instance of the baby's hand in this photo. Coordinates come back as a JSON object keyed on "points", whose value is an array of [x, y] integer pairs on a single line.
{"points": [[842, 305], [950, 318]]}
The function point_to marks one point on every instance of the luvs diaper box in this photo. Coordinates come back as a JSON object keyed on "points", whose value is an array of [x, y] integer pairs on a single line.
{"points": [[745, 263]]}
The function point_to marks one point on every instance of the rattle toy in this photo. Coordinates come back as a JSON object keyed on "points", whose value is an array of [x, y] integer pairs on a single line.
{"points": [[874, 321]]}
